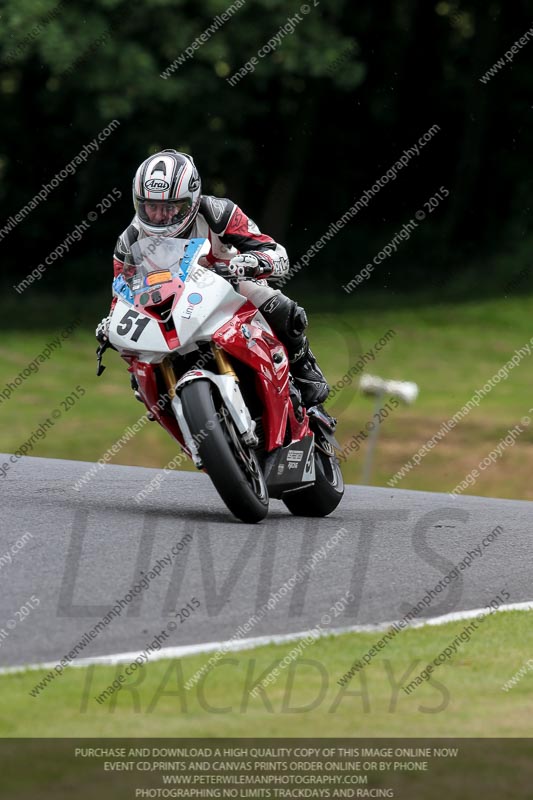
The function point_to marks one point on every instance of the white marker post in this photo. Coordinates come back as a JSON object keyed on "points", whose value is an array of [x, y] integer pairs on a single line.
{"points": [[371, 385]]}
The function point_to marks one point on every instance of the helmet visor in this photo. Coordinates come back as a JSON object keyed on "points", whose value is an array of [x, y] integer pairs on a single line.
{"points": [[162, 213]]}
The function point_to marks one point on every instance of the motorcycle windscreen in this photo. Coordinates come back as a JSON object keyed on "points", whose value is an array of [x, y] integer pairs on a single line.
{"points": [[155, 260]]}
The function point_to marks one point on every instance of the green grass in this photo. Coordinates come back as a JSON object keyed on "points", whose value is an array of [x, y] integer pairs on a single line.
{"points": [[464, 697], [449, 350]]}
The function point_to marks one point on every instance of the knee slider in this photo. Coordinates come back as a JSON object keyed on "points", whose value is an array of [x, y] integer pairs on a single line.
{"points": [[299, 320], [287, 318]]}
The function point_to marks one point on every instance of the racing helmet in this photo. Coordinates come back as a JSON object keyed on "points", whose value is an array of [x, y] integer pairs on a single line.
{"points": [[166, 193]]}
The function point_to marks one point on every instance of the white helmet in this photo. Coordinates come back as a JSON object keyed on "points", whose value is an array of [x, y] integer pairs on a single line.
{"points": [[166, 193]]}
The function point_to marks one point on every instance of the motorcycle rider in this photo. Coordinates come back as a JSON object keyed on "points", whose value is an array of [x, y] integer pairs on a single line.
{"points": [[168, 202]]}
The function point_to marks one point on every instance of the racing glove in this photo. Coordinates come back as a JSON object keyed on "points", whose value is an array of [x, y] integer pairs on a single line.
{"points": [[102, 330], [246, 265]]}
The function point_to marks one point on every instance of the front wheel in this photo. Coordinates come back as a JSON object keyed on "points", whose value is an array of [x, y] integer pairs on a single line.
{"points": [[230, 463], [324, 495]]}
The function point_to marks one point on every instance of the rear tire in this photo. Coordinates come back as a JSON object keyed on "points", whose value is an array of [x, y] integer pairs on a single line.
{"points": [[324, 495], [230, 463]]}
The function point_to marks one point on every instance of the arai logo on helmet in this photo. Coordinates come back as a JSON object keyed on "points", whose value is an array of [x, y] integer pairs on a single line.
{"points": [[157, 185]]}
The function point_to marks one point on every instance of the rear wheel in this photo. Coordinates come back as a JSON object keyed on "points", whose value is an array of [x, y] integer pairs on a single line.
{"points": [[324, 495], [231, 464]]}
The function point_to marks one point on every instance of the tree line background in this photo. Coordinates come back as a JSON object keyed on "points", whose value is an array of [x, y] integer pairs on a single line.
{"points": [[295, 143]]}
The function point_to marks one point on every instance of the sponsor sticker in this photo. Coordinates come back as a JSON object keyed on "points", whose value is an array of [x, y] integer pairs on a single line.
{"points": [[157, 185], [295, 455]]}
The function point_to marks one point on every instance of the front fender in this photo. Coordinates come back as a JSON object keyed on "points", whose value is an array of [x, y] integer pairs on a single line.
{"points": [[230, 393]]}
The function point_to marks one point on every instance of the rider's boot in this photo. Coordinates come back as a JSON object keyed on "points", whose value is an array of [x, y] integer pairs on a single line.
{"points": [[308, 375]]}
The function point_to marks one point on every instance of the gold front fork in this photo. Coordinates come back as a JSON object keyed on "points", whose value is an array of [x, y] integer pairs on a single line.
{"points": [[170, 378], [223, 362]]}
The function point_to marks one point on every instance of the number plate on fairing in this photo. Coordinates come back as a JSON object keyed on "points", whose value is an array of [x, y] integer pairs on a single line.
{"points": [[130, 329]]}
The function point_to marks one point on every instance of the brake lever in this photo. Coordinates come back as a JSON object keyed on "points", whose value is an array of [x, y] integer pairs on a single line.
{"points": [[233, 280], [99, 355]]}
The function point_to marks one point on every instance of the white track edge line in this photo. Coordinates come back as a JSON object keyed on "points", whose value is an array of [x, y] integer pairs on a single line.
{"points": [[261, 641]]}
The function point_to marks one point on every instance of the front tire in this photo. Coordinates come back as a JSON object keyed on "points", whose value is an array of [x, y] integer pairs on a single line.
{"points": [[324, 495], [230, 463]]}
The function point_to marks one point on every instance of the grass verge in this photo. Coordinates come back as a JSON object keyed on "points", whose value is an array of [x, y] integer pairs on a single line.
{"points": [[462, 698]]}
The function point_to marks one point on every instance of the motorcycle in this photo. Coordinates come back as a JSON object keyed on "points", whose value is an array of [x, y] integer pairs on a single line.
{"points": [[213, 374]]}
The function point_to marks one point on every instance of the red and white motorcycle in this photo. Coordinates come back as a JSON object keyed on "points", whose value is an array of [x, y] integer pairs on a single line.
{"points": [[215, 377]]}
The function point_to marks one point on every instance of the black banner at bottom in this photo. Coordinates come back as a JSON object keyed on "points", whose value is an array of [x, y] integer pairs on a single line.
{"points": [[405, 769]]}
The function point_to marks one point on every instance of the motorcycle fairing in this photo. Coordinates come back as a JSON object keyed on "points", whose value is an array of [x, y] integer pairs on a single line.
{"points": [[246, 338]]}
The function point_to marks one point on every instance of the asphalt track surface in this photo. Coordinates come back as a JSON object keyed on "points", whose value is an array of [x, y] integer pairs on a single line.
{"points": [[89, 547]]}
